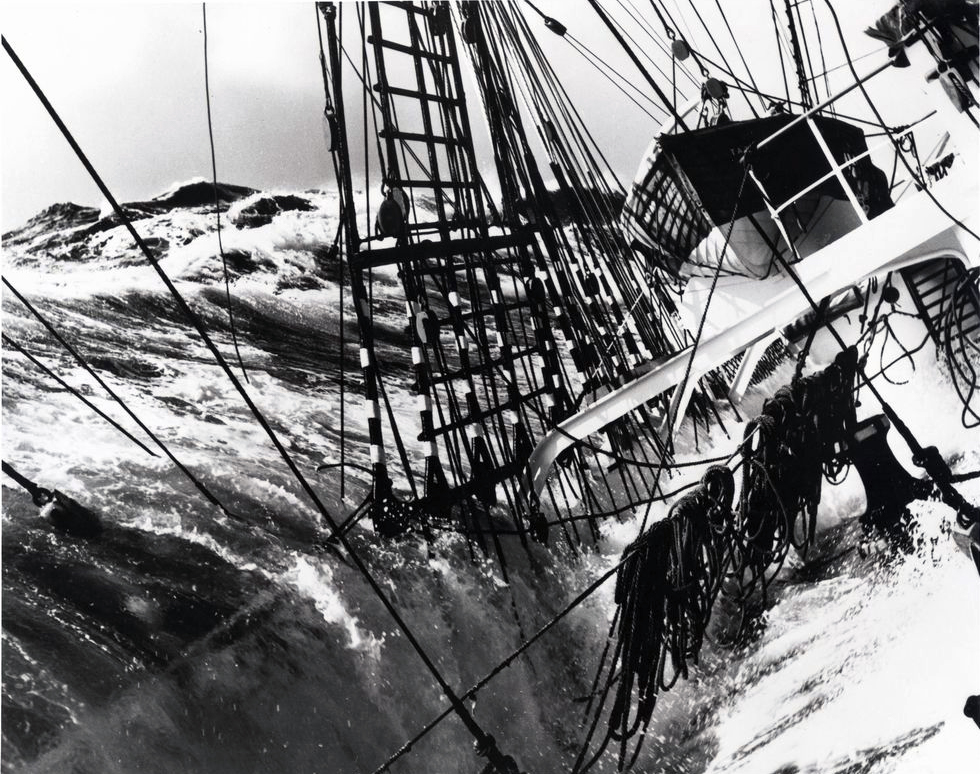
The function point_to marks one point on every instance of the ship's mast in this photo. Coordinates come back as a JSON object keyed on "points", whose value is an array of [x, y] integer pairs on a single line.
{"points": [[792, 15]]}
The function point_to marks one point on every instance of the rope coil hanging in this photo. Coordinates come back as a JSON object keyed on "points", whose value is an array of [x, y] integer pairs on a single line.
{"points": [[672, 574], [665, 591]]}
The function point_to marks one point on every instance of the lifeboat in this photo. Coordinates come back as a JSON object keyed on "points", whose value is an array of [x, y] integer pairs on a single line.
{"points": [[691, 187]]}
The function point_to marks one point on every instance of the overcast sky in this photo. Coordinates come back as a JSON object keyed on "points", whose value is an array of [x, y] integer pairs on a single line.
{"points": [[128, 80]]}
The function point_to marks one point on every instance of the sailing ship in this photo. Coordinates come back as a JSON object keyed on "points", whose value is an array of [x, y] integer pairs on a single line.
{"points": [[558, 329]]}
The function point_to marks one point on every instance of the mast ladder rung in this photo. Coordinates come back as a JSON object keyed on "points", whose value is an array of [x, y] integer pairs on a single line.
{"points": [[410, 50], [451, 225], [455, 184], [384, 256], [419, 137], [407, 7], [398, 91]]}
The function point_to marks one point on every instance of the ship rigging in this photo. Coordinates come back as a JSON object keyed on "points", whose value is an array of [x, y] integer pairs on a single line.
{"points": [[559, 326]]}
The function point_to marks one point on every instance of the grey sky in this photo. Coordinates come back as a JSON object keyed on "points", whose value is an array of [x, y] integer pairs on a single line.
{"points": [[128, 79]]}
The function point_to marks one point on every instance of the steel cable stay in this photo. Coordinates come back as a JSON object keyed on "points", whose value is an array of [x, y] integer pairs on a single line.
{"points": [[76, 393], [656, 66], [647, 27], [168, 283], [714, 42], [198, 484], [601, 66], [738, 48], [823, 60], [610, 24], [625, 32], [780, 44]]}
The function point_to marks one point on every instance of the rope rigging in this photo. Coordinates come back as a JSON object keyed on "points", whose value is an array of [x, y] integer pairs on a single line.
{"points": [[668, 580], [639, 65], [708, 544]]}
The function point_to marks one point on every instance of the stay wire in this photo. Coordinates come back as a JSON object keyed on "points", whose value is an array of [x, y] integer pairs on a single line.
{"points": [[823, 60], [639, 65], [95, 375], [217, 203], [598, 65], [458, 707], [779, 48], [338, 254], [721, 53], [485, 742], [168, 283], [738, 48], [75, 392]]}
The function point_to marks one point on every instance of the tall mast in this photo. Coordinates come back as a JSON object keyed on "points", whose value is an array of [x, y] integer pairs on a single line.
{"points": [[805, 97]]}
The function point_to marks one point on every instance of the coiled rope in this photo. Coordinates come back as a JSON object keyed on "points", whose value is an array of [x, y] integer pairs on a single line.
{"points": [[671, 575]]}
